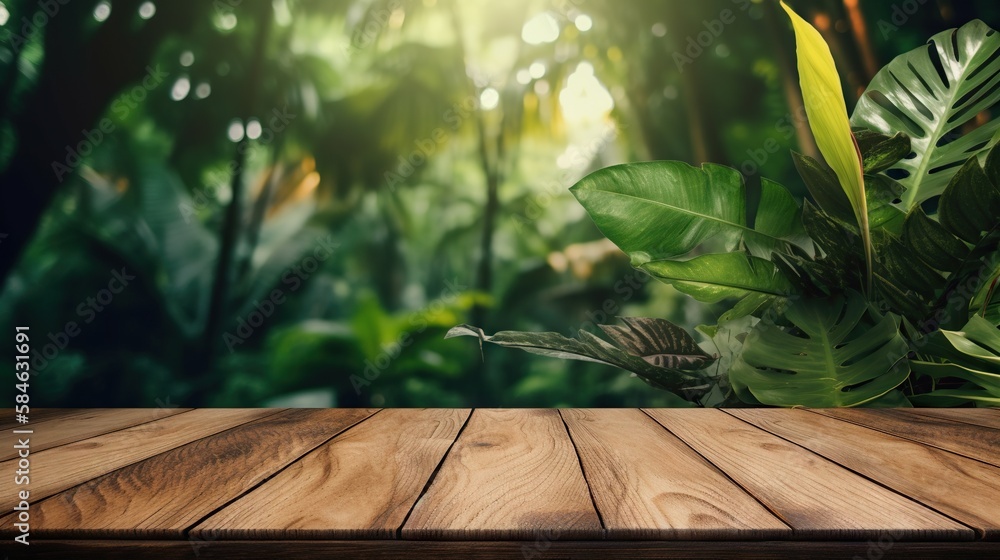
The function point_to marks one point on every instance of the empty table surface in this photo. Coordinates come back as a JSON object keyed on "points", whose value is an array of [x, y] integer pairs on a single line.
{"points": [[519, 483]]}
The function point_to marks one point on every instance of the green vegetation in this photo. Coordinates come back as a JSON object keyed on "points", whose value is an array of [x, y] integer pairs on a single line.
{"points": [[271, 202], [847, 303]]}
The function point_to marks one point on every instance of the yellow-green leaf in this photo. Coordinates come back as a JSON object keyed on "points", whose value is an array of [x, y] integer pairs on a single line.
{"points": [[827, 112]]}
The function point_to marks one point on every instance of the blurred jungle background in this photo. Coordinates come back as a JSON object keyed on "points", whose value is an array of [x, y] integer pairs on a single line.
{"points": [[289, 202]]}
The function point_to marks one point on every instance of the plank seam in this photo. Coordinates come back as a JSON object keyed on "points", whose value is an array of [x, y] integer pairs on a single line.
{"points": [[722, 472], [921, 413], [186, 533], [903, 437], [126, 427], [583, 471], [434, 473], [89, 480], [980, 534]]}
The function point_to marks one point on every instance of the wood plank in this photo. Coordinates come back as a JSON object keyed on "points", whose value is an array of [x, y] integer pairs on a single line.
{"points": [[85, 424], [183, 485], [975, 416], [961, 488], [37, 415], [976, 442], [486, 550], [60, 468], [648, 485], [819, 499], [360, 485], [510, 473]]}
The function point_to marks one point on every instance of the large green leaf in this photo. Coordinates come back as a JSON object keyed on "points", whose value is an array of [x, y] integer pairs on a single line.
{"points": [[932, 94], [880, 192], [971, 355], [654, 349], [667, 209], [970, 204], [963, 244], [823, 97], [717, 276], [903, 280], [838, 264], [837, 353]]}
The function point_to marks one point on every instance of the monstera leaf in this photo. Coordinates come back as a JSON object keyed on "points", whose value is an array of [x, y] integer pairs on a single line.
{"points": [[837, 352], [656, 350], [972, 355], [932, 93]]}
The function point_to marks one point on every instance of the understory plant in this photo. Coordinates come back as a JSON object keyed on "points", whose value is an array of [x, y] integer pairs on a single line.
{"points": [[877, 292]]}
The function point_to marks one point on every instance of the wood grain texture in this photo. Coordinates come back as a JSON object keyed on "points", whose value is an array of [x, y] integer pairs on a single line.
{"points": [[958, 437], [78, 425], [187, 483], [649, 485], [38, 415], [961, 488], [360, 485], [512, 474], [529, 550], [975, 416], [58, 469], [819, 499]]}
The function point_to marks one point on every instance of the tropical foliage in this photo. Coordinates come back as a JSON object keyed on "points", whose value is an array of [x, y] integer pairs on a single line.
{"points": [[879, 292]]}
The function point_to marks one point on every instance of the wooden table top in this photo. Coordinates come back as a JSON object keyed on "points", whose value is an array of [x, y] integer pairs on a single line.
{"points": [[515, 483]]}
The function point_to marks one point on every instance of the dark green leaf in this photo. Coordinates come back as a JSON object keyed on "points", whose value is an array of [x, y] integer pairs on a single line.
{"points": [[878, 151], [882, 194], [931, 243], [904, 280], [659, 342], [824, 187], [717, 276], [753, 305], [970, 204], [972, 354], [839, 353], [591, 348]]}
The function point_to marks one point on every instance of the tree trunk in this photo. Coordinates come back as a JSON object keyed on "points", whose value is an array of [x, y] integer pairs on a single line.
{"points": [[232, 221]]}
